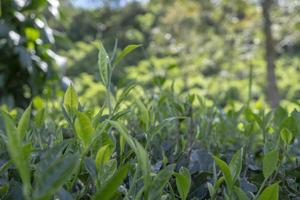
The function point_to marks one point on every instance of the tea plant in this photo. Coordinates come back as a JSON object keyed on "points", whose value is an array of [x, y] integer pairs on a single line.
{"points": [[147, 144]]}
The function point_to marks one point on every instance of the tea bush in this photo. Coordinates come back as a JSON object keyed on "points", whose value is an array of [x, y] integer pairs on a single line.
{"points": [[147, 144]]}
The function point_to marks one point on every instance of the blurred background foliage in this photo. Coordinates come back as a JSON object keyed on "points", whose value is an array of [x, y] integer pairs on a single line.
{"points": [[202, 47]]}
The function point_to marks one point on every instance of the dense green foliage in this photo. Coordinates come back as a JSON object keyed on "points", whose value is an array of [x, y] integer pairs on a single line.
{"points": [[25, 53], [147, 144], [187, 115]]}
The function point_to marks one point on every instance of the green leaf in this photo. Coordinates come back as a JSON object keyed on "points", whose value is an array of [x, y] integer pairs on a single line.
{"points": [[270, 163], [270, 193], [291, 124], [55, 175], [286, 135], [140, 152], [183, 182], [160, 181], [240, 193], [124, 95], [24, 122], [145, 116], [103, 156], [210, 188], [125, 52], [18, 153], [83, 128], [252, 117], [70, 100], [39, 117], [235, 164], [110, 188], [32, 34], [225, 170], [38, 102], [103, 64]]}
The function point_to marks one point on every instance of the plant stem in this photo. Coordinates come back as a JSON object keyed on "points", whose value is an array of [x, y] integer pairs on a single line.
{"points": [[250, 84], [261, 188]]}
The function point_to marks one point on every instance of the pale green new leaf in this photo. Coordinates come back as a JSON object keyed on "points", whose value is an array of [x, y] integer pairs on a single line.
{"points": [[71, 100], [39, 117], [84, 128], [125, 52], [270, 193], [103, 156], [103, 64], [286, 135], [24, 122], [18, 154], [270, 163], [123, 96]]}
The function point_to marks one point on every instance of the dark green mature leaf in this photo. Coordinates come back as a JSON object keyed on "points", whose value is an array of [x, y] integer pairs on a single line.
{"points": [[145, 115], [110, 188], [160, 181], [103, 64], [51, 155], [24, 122], [140, 152], [225, 170], [183, 182], [270, 193], [240, 193], [154, 130], [270, 163], [125, 52], [54, 176]]}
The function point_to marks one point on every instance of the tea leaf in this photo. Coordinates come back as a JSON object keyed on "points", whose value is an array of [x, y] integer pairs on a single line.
{"points": [[235, 164], [240, 193], [103, 64], [270, 163], [18, 153], [50, 179], [110, 188], [70, 100], [84, 128], [103, 155], [39, 117], [24, 122], [225, 170], [160, 181], [183, 182], [270, 193], [125, 52], [286, 135]]}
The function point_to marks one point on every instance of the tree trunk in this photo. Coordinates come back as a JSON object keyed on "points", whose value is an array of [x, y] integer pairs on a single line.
{"points": [[272, 90]]}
